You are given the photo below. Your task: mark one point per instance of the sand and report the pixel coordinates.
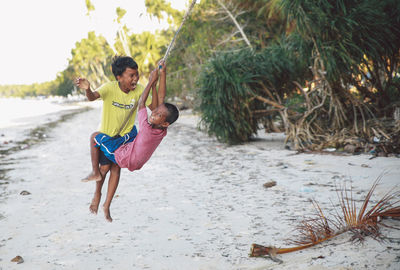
(197, 204)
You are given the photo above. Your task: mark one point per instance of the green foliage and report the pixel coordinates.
(349, 33)
(209, 31)
(281, 63)
(225, 96)
(120, 14)
(357, 41)
(89, 7)
(91, 58)
(197, 41)
(32, 90)
(230, 82)
(64, 82)
(296, 103)
(161, 9)
(147, 49)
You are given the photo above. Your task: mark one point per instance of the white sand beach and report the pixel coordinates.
(197, 204)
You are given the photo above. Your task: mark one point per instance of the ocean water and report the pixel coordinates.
(23, 122)
(19, 112)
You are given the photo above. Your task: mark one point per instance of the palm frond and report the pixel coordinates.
(361, 222)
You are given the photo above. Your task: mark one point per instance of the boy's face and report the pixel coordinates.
(158, 117)
(129, 79)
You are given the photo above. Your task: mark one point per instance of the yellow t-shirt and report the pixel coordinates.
(116, 107)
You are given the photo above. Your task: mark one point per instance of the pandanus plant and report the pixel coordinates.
(361, 222)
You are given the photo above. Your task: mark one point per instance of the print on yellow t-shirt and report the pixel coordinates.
(116, 107)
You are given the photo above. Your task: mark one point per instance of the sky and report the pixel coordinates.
(37, 36)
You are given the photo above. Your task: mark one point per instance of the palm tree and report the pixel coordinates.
(91, 56)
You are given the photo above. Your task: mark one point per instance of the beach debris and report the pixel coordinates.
(362, 165)
(361, 222)
(319, 257)
(267, 252)
(309, 162)
(24, 192)
(18, 259)
(269, 184)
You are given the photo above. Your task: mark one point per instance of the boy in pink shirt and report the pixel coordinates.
(152, 130)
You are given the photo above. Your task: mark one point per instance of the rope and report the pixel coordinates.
(164, 58)
(179, 29)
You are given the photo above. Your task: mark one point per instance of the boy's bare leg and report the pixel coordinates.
(94, 206)
(112, 187)
(94, 155)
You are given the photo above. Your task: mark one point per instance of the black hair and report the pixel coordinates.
(173, 113)
(121, 63)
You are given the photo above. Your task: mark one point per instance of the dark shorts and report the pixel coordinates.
(103, 160)
(109, 144)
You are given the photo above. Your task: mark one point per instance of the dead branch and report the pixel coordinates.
(236, 23)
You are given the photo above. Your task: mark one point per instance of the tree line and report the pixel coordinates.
(211, 28)
(322, 71)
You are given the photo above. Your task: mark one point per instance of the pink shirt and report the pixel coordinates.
(135, 154)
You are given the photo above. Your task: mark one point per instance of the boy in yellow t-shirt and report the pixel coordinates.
(119, 98)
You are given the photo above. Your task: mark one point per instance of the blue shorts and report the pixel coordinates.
(109, 144)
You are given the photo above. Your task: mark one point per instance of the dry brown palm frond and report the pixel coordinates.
(360, 222)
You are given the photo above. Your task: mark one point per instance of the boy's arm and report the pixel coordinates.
(162, 88)
(154, 97)
(85, 85)
(152, 80)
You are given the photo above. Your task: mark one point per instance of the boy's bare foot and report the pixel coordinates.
(92, 177)
(94, 206)
(107, 213)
